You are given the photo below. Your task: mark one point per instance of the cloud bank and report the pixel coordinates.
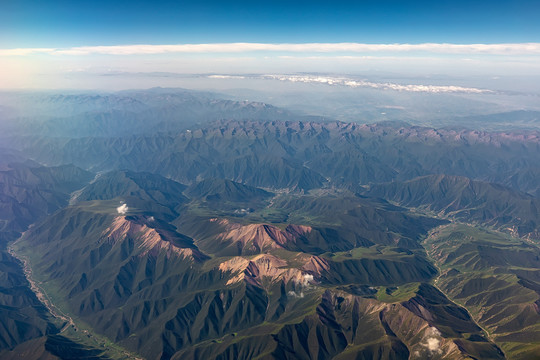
(343, 81)
(146, 49)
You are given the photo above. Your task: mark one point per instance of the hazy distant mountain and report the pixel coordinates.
(524, 119)
(125, 113)
(304, 155)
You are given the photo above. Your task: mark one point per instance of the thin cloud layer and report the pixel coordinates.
(440, 48)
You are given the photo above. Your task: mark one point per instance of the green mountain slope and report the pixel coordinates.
(467, 200)
(225, 190)
(497, 278)
(146, 192)
(29, 192)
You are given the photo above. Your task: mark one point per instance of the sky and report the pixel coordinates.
(44, 43)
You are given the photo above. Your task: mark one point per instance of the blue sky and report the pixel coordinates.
(44, 43)
(61, 23)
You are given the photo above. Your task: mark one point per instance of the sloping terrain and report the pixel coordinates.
(144, 186)
(53, 347)
(228, 196)
(151, 194)
(221, 190)
(28, 330)
(497, 279)
(467, 200)
(23, 316)
(29, 192)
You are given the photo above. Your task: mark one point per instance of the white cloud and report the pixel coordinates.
(226, 77)
(343, 81)
(307, 279)
(303, 284)
(433, 345)
(144, 49)
(297, 295)
(122, 209)
(432, 342)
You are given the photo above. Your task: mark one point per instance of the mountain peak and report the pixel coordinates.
(260, 237)
(151, 240)
(260, 267)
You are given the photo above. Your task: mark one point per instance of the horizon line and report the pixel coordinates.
(529, 48)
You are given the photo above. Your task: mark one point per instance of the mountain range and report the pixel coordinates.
(259, 234)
